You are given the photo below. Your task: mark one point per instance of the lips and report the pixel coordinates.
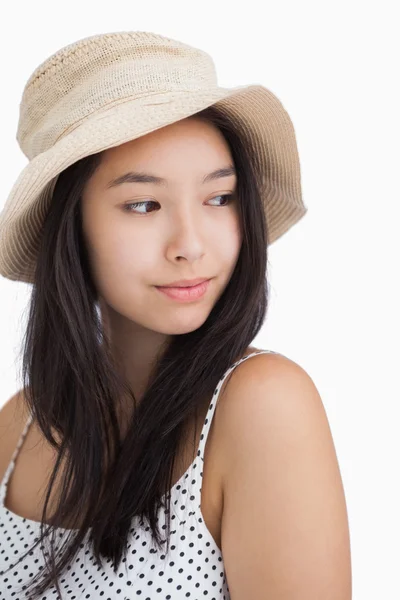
(185, 283)
(185, 294)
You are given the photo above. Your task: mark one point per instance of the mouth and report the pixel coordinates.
(185, 283)
(186, 294)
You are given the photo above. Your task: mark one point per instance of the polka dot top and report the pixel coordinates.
(193, 568)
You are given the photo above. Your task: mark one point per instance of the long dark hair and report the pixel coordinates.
(72, 383)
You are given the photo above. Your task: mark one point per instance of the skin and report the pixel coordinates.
(282, 487)
(186, 230)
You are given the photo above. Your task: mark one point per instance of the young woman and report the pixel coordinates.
(151, 450)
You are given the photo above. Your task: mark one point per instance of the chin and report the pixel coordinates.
(181, 325)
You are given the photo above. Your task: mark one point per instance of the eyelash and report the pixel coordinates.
(137, 204)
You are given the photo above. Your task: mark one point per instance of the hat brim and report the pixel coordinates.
(256, 112)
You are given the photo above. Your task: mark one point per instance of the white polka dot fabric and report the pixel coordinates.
(193, 569)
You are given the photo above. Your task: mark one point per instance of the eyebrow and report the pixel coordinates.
(140, 177)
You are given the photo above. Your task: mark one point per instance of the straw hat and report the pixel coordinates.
(107, 89)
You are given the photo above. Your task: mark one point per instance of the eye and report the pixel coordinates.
(227, 196)
(127, 207)
(131, 206)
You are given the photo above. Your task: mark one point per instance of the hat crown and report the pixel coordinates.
(81, 79)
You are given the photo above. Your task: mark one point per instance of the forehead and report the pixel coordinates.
(188, 148)
(189, 135)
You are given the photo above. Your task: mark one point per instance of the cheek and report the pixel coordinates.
(126, 255)
(229, 241)
(115, 251)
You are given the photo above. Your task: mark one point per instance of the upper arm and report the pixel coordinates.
(284, 527)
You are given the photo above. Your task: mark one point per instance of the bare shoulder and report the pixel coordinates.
(272, 381)
(13, 415)
(282, 488)
(13, 412)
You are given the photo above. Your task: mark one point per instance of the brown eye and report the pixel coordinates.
(228, 198)
(129, 207)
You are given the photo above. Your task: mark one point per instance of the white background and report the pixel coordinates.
(334, 276)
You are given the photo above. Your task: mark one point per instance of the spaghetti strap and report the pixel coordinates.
(209, 417)
(11, 465)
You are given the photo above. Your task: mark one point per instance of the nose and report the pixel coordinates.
(186, 239)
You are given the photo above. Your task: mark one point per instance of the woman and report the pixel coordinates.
(149, 455)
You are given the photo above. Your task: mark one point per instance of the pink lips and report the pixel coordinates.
(186, 294)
